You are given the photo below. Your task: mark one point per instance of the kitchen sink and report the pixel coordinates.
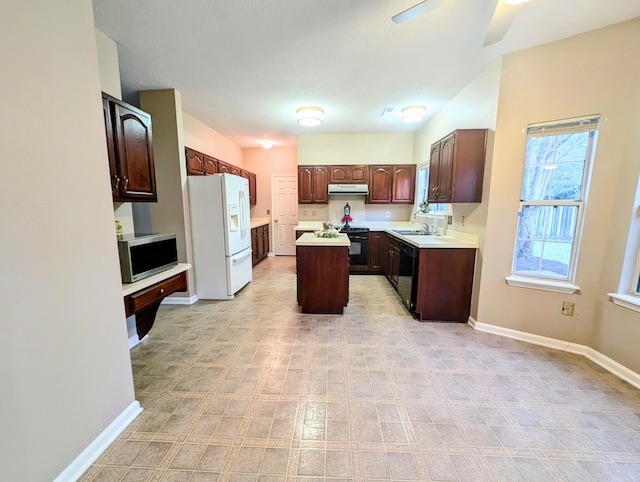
(408, 232)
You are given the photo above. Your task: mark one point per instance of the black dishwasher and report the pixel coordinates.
(407, 271)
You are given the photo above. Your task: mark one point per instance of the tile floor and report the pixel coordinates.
(253, 390)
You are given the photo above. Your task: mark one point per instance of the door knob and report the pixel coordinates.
(275, 220)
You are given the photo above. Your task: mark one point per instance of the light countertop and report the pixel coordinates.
(310, 239)
(452, 239)
(256, 222)
(130, 288)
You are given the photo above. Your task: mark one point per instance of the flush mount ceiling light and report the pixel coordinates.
(515, 2)
(413, 113)
(310, 116)
(267, 144)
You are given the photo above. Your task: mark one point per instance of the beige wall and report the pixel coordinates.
(355, 149)
(171, 213)
(64, 363)
(264, 163)
(594, 73)
(203, 138)
(475, 107)
(108, 64)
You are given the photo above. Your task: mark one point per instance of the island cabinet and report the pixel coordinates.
(313, 182)
(456, 167)
(322, 267)
(130, 149)
(444, 283)
(348, 174)
(393, 184)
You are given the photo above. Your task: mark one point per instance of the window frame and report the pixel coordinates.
(590, 124)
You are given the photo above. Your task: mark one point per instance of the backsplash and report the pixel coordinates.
(360, 212)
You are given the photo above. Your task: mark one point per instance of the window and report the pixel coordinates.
(628, 294)
(422, 192)
(554, 187)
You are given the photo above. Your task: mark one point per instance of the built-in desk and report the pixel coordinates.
(323, 273)
(142, 298)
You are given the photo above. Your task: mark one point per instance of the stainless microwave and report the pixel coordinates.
(142, 255)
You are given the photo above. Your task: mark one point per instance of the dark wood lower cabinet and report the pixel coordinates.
(145, 303)
(445, 281)
(260, 243)
(322, 278)
(376, 246)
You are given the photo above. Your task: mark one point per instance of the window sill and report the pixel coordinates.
(542, 284)
(626, 301)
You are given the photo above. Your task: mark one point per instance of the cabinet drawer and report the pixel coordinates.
(154, 293)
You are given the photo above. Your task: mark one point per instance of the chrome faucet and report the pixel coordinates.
(434, 226)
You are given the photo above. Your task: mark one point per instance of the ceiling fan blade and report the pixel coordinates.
(417, 10)
(503, 16)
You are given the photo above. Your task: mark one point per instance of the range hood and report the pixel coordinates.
(362, 189)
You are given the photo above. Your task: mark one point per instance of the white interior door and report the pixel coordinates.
(284, 200)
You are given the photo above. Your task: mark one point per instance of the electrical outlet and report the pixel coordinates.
(304, 213)
(314, 213)
(567, 308)
(387, 214)
(268, 211)
(449, 219)
(118, 226)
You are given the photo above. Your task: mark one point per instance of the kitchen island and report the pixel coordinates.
(322, 273)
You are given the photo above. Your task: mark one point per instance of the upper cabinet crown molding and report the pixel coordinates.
(456, 167)
(130, 149)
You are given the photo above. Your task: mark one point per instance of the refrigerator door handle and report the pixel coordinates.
(243, 226)
(238, 260)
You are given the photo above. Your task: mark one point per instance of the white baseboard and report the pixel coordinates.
(595, 356)
(89, 455)
(179, 300)
(135, 340)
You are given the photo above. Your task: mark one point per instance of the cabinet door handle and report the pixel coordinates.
(126, 182)
(117, 182)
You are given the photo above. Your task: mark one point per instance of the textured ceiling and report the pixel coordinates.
(243, 67)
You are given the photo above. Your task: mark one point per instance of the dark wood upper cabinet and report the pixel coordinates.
(199, 164)
(195, 162)
(210, 165)
(313, 182)
(223, 167)
(456, 167)
(253, 188)
(130, 148)
(111, 149)
(348, 174)
(380, 185)
(338, 174)
(403, 184)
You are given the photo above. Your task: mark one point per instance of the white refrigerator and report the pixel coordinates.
(220, 235)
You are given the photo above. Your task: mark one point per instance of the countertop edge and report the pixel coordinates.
(310, 239)
(130, 288)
